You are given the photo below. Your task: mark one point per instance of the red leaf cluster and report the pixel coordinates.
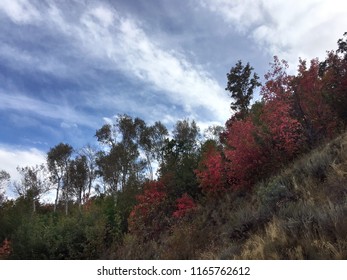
(318, 118)
(184, 204)
(284, 133)
(144, 215)
(5, 249)
(211, 172)
(244, 155)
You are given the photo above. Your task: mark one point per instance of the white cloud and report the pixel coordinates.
(12, 157)
(20, 11)
(236, 11)
(119, 43)
(127, 47)
(20, 60)
(68, 125)
(103, 15)
(64, 112)
(100, 36)
(290, 30)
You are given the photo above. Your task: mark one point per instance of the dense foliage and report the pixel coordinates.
(243, 185)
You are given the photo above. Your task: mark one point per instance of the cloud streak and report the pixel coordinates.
(23, 103)
(19, 11)
(307, 29)
(100, 36)
(123, 44)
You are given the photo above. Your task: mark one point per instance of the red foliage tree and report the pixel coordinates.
(210, 173)
(285, 136)
(184, 205)
(277, 84)
(317, 117)
(5, 249)
(147, 218)
(254, 149)
(244, 155)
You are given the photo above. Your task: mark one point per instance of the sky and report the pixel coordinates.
(67, 67)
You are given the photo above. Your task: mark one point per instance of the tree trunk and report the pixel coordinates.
(56, 196)
(149, 166)
(66, 203)
(34, 205)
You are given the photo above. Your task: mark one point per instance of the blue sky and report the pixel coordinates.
(67, 67)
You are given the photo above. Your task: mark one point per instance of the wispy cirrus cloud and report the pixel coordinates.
(305, 29)
(124, 45)
(100, 37)
(64, 113)
(20, 11)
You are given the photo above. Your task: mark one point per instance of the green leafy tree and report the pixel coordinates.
(186, 134)
(181, 159)
(213, 133)
(106, 135)
(152, 140)
(78, 174)
(241, 85)
(90, 154)
(58, 159)
(342, 46)
(116, 164)
(130, 130)
(109, 169)
(34, 183)
(4, 180)
(333, 72)
(131, 147)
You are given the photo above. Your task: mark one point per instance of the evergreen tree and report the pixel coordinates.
(241, 84)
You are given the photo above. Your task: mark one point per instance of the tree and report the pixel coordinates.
(211, 170)
(58, 163)
(109, 168)
(148, 218)
(241, 85)
(90, 154)
(122, 161)
(342, 46)
(214, 132)
(34, 183)
(132, 147)
(78, 174)
(333, 72)
(282, 133)
(184, 205)
(311, 109)
(186, 135)
(278, 82)
(152, 140)
(158, 136)
(4, 180)
(180, 160)
(106, 135)
(245, 159)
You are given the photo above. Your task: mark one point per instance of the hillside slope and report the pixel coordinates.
(298, 214)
